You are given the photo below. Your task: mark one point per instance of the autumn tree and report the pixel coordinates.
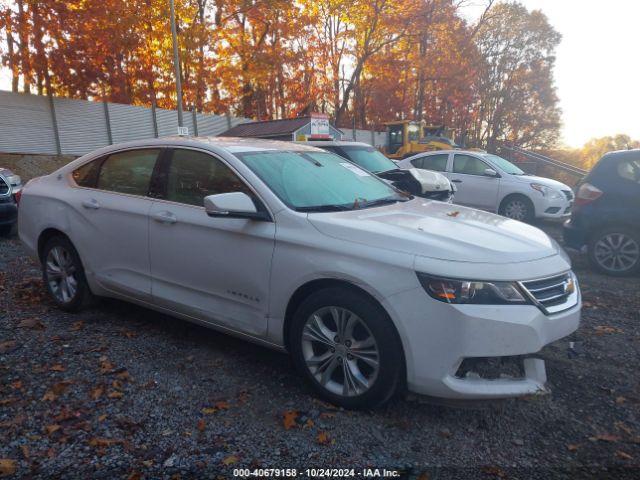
(517, 99)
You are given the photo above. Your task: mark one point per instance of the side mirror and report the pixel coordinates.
(490, 172)
(233, 205)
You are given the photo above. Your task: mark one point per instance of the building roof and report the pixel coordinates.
(268, 128)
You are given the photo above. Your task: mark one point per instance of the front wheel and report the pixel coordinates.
(63, 275)
(347, 348)
(518, 207)
(615, 251)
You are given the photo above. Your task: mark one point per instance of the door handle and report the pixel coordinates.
(165, 217)
(91, 204)
(456, 181)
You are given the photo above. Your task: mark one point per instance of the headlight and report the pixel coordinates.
(546, 191)
(472, 292)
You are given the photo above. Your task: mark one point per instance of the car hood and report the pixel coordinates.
(439, 230)
(543, 181)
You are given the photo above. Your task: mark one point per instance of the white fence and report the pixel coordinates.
(34, 124)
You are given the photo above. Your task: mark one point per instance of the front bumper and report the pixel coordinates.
(438, 337)
(8, 212)
(559, 208)
(573, 236)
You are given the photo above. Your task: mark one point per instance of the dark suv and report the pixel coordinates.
(606, 214)
(10, 188)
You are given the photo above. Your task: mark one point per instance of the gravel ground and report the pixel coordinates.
(118, 391)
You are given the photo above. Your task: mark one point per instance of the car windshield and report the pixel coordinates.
(369, 158)
(505, 165)
(314, 181)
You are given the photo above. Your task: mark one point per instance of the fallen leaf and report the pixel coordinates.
(147, 463)
(623, 455)
(620, 400)
(56, 390)
(289, 419)
(106, 366)
(52, 428)
(445, 433)
(222, 405)
(124, 375)
(103, 442)
(117, 384)
(209, 410)
(102, 417)
(58, 367)
(134, 476)
(7, 467)
(623, 427)
(495, 471)
(115, 394)
(605, 437)
(7, 401)
(201, 425)
(130, 334)
(602, 329)
(17, 385)
(97, 392)
(572, 447)
(77, 326)
(8, 346)
(453, 214)
(309, 424)
(32, 323)
(25, 451)
(323, 438)
(230, 460)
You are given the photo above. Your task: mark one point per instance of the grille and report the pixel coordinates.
(568, 194)
(553, 294)
(4, 186)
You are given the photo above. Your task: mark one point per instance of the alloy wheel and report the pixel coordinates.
(617, 252)
(340, 351)
(61, 274)
(516, 210)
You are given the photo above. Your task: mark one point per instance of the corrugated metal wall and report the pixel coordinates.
(27, 124)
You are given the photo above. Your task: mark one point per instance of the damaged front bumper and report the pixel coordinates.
(440, 346)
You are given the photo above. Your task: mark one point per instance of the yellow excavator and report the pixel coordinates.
(407, 137)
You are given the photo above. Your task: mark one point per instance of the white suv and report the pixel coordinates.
(292, 247)
(492, 183)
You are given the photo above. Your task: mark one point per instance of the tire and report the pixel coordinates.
(371, 385)
(5, 230)
(63, 275)
(615, 251)
(518, 207)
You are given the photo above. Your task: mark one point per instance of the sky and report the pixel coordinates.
(597, 68)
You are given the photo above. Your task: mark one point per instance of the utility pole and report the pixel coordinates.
(176, 62)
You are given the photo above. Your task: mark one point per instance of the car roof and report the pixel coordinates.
(620, 154)
(333, 143)
(229, 144)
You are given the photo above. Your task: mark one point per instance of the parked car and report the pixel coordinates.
(285, 245)
(421, 183)
(606, 217)
(10, 188)
(490, 182)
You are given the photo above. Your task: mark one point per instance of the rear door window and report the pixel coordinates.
(437, 163)
(128, 172)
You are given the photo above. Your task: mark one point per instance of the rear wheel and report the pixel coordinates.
(64, 276)
(518, 207)
(615, 251)
(347, 348)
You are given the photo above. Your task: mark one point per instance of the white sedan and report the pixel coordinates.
(490, 182)
(291, 247)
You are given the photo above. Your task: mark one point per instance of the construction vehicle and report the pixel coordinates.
(407, 137)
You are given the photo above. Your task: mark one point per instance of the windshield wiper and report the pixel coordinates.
(381, 201)
(323, 208)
